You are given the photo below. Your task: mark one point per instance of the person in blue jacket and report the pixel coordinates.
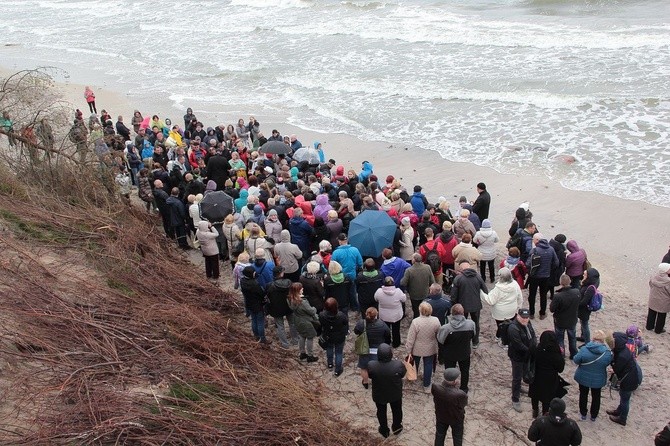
(366, 171)
(351, 260)
(419, 201)
(591, 374)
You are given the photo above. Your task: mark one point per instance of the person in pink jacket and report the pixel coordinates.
(90, 99)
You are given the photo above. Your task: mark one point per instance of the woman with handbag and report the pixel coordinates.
(422, 341)
(376, 332)
(304, 318)
(591, 374)
(335, 327)
(549, 363)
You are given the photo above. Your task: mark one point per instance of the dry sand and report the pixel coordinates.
(624, 239)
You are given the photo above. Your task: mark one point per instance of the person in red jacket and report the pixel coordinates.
(516, 265)
(433, 244)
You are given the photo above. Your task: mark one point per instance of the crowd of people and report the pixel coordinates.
(287, 244)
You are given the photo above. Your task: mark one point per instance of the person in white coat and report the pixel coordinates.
(207, 235)
(391, 300)
(486, 239)
(406, 237)
(505, 299)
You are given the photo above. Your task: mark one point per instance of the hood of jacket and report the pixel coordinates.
(620, 340)
(316, 144)
(322, 200)
(520, 214)
(282, 283)
(337, 277)
(211, 186)
(457, 321)
(596, 348)
(258, 210)
(572, 246)
(285, 236)
(244, 194)
(446, 236)
(486, 232)
(339, 171)
(542, 244)
(469, 272)
(507, 287)
(511, 262)
(557, 420)
(306, 208)
(388, 289)
(203, 226)
(384, 353)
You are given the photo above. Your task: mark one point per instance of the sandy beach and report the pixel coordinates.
(625, 240)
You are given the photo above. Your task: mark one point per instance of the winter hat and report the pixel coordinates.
(560, 238)
(664, 268)
(632, 331)
(268, 169)
(272, 212)
(249, 272)
(486, 223)
(557, 408)
(405, 221)
(525, 205)
(451, 374)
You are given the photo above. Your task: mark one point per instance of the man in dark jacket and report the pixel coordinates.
(367, 282)
(450, 405)
(161, 202)
(386, 374)
(218, 169)
(177, 217)
(522, 343)
(441, 304)
(254, 298)
(627, 371)
(278, 306)
(417, 279)
(559, 248)
(543, 260)
(555, 428)
(482, 203)
(454, 343)
(466, 291)
(301, 232)
(565, 307)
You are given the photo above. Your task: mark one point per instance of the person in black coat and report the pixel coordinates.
(178, 217)
(335, 326)
(387, 374)
(590, 284)
(378, 333)
(555, 428)
(627, 371)
(559, 248)
(521, 345)
(218, 169)
(663, 437)
(368, 282)
(549, 363)
(450, 402)
(254, 299)
(482, 203)
(122, 130)
(565, 308)
(278, 308)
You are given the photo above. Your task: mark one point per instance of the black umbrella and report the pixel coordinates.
(275, 147)
(215, 206)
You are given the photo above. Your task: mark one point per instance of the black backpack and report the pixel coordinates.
(503, 331)
(433, 258)
(516, 241)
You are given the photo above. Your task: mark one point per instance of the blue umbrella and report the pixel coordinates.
(371, 232)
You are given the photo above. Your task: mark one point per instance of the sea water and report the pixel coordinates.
(516, 85)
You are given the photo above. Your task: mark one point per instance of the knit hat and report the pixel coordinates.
(272, 212)
(451, 374)
(405, 221)
(560, 238)
(268, 169)
(664, 268)
(486, 223)
(557, 408)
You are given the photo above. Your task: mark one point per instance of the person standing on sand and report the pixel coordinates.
(386, 374)
(482, 203)
(90, 99)
(543, 261)
(555, 428)
(590, 284)
(565, 307)
(659, 299)
(454, 343)
(450, 404)
(521, 344)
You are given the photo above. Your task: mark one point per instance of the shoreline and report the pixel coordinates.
(607, 227)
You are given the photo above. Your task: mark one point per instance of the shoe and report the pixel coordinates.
(582, 417)
(385, 432)
(426, 389)
(543, 317)
(303, 356)
(265, 341)
(649, 348)
(618, 420)
(614, 412)
(516, 405)
(397, 430)
(475, 346)
(284, 346)
(593, 418)
(579, 338)
(366, 385)
(658, 332)
(330, 366)
(337, 373)
(532, 316)
(312, 359)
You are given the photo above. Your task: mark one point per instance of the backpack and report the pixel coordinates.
(596, 302)
(433, 258)
(503, 331)
(516, 241)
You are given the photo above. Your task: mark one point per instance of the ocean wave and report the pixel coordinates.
(273, 3)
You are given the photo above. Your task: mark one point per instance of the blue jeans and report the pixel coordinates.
(572, 342)
(586, 331)
(135, 171)
(624, 403)
(427, 368)
(335, 350)
(258, 325)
